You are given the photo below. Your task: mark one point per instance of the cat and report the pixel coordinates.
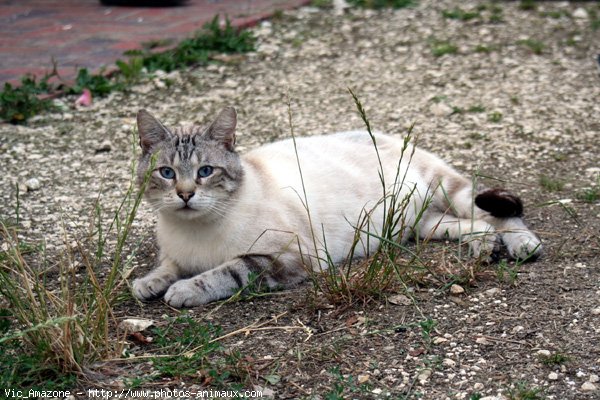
(226, 218)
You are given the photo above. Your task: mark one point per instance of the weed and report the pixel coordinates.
(98, 84)
(589, 195)
(476, 109)
(553, 359)
(522, 391)
(322, 3)
(190, 347)
(495, 14)
(481, 48)
(528, 5)
(59, 333)
(379, 4)
(551, 184)
(214, 38)
(427, 326)
(343, 385)
(495, 116)
(442, 47)
(475, 396)
(536, 46)
(17, 104)
(131, 70)
(507, 273)
(460, 14)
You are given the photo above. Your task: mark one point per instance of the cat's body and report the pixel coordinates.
(224, 218)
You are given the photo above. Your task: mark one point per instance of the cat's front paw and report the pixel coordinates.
(523, 245)
(483, 245)
(150, 287)
(186, 293)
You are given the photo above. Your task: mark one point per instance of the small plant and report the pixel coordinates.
(442, 47)
(507, 273)
(589, 195)
(495, 116)
(553, 359)
(322, 3)
(58, 333)
(17, 104)
(478, 108)
(536, 46)
(475, 396)
(460, 14)
(131, 70)
(379, 4)
(427, 328)
(527, 5)
(522, 391)
(551, 184)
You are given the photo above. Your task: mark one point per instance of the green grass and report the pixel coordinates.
(553, 359)
(551, 184)
(443, 47)
(55, 333)
(536, 46)
(522, 391)
(380, 4)
(18, 104)
(589, 195)
(460, 14)
(495, 116)
(528, 5)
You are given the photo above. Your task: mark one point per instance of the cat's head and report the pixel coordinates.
(197, 171)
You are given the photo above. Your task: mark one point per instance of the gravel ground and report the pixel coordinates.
(492, 107)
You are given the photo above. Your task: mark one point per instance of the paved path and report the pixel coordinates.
(84, 33)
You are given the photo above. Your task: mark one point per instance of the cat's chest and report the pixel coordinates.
(193, 249)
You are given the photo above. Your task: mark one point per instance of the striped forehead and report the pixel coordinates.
(185, 143)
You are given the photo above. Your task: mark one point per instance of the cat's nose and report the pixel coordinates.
(186, 196)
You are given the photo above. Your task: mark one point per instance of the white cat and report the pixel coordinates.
(224, 218)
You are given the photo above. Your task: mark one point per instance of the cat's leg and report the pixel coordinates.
(156, 283)
(270, 270)
(479, 234)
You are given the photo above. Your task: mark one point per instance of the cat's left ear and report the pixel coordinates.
(150, 130)
(223, 128)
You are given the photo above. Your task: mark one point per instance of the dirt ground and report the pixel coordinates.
(514, 102)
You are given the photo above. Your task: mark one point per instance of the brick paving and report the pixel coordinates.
(85, 33)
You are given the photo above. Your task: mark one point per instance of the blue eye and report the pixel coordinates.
(167, 173)
(205, 171)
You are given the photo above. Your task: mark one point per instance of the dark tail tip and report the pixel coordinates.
(499, 203)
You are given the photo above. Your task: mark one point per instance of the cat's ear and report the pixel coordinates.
(150, 130)
(223, 128)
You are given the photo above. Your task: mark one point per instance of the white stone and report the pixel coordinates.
(440, 110)
(596, 311)
(478, 386)
(588, 387)
(363, 379)
(456, 289)
(136, 324)
(33, 184)
(552, 376)
(424, 375)
(449, 363)
(594, 378)
(400, 300)
(543, 353)
(492, 292)
(580, 13)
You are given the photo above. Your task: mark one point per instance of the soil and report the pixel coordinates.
(492, 107)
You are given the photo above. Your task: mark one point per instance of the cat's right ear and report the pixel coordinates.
(150, 130)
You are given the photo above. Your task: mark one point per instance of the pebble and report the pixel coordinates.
(449, 363)
(363, 379)
(596, 311)
(104, 147)
(136, 324)
(588, 387)
(594, 378)
(440, 110)
(33, 184)
(424, 375)
(552, 376)
(400, 300)
(456, 289)
(580, 13)
(478, 386)
(492, 292)
(544, 353)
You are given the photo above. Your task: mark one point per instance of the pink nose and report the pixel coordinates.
(185, 196)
